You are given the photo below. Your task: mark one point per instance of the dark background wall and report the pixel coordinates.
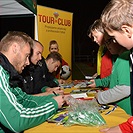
(85, 12)
(18, 23)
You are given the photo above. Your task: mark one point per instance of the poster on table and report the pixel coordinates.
(54, 24)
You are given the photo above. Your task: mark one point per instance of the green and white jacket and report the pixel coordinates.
(19, 111)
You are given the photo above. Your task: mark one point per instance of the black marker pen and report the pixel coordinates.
(54, 93)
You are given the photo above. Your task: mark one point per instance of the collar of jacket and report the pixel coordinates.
(15, 77)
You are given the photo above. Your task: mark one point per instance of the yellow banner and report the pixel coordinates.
(54, 24)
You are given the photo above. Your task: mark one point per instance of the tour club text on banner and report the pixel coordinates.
(54, 24)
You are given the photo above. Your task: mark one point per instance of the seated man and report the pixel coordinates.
(19, 111)
(38, 75)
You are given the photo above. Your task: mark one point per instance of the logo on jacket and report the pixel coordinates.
(44, 76)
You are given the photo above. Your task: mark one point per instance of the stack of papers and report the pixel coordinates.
(80, 95)
(84, 95)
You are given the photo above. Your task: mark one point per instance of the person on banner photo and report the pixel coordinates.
(38, 75)
(64, 71)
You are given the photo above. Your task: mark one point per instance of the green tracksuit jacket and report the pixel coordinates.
(19, 111)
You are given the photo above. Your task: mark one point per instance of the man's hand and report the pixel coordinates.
(92, 85)
(61, 81)
(57, 90)
(60, 100)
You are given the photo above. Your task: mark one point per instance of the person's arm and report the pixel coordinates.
(125, 127)
(115, 129)
(57, 90)
(26, 110)
(61, 81)
(104, 82)
(49, 82)
(94, 75)
(120, 77)
(114, 94)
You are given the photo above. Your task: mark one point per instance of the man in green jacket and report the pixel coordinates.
(19, 111)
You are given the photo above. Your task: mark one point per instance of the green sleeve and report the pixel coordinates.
(19, 111)
(56, 81)
(104, 82)
(44, 88)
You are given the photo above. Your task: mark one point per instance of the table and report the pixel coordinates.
(114, 118)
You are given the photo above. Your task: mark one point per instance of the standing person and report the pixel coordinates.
(119, 86)
(54, 47)
(19, 111)
(37, 75)
(117, 19)
(104, 58)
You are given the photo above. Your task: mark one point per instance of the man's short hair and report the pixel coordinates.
(55, 56)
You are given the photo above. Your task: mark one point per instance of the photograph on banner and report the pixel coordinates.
(55, 24)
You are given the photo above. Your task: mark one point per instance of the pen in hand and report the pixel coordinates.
(55, 93)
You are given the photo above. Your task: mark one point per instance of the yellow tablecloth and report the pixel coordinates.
(114, 118)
